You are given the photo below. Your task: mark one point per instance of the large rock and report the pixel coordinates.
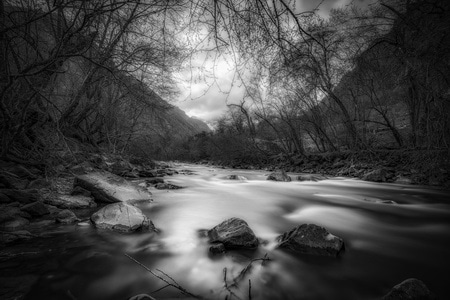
(311, 239)
(70, 201)
(410, 289)
(233, 233)
(279, 176)
(109, 188)
(121, 217)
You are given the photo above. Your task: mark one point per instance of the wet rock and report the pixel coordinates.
(310, 239)
(310, 177)
(235, 177)
(121, 217)
(22, 196)
(109, 188)
(66, 216)
(167, 186)
(410, 289)
(15, 224)
(233, 233)
(70, 201)
(217, 248)
(36, 209)
(279, 176)
(378, 175)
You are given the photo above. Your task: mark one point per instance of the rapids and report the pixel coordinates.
(392, 232)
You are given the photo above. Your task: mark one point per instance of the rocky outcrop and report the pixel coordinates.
(233, 233)
(121, 217)
(410, 289)
(70, 201)
(279, 176)
(110, 188)
(310, 239)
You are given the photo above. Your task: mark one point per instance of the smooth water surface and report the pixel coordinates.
(391, 233)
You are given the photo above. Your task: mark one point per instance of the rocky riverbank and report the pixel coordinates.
(431, 168)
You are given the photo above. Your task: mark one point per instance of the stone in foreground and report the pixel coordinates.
(311, 239)
(279, 176)
(410, 289)
(110, 188)
(233, 233)
(121, 217)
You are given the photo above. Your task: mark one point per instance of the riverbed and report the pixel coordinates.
(391, 232)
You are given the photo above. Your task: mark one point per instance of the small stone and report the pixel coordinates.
(410, 289)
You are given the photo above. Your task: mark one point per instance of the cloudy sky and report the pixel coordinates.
(211, 86)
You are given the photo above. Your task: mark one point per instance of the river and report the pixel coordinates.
(391, 232)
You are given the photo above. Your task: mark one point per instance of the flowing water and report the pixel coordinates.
(391, 233)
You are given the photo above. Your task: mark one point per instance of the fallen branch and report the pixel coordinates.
(173, 283)
(247, 268)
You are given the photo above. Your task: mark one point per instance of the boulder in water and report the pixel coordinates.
(233, 233)
(311, 239)
(410, 289)
(121, 217)
(110, 188)
(279, 176)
